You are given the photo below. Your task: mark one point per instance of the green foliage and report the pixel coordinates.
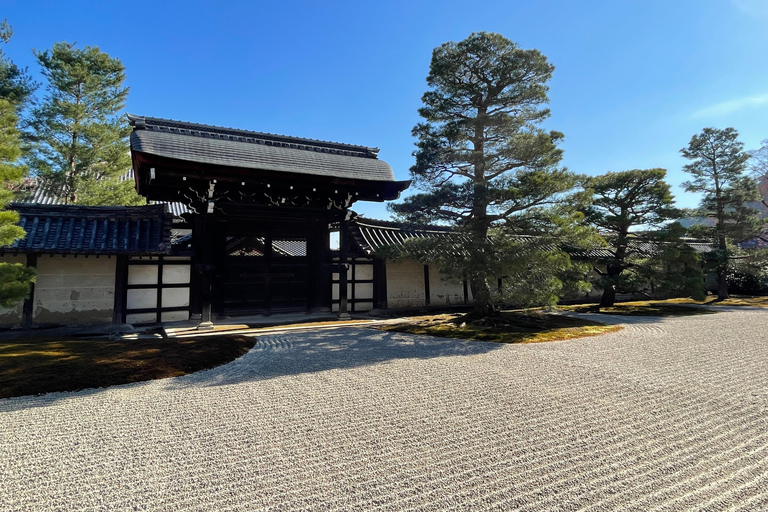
(675, 270)
(14, 283)
(627, 199)
(747, 270)
(10, 152)
(16, 86)
(744, 283)
(482, 161)
(109, 191)
(14, 278)
(624, 201)
(718, 169)
(76, 133)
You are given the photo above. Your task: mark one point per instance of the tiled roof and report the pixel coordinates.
(63, 229)
(255, 150)
(32, 192)
(372, 235)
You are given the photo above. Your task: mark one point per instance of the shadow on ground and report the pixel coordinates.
(284, 354)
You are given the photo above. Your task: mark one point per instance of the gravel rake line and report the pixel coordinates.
(722, 487)
(650, 467)
(566, 465)
(595, 423)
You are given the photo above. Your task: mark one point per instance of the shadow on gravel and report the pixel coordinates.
(615, 319)
(278, 355)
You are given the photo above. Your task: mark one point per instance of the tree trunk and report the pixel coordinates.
(609, 297)
(609, 293)
(722, 272)
(481, 294)
(722, 284)
(615, 268)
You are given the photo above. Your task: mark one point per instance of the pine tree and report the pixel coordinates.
(625, 201)
(482, 160)
(15, 89)
(16, 86)
(79, 139)
(718, 169)
(14, 277)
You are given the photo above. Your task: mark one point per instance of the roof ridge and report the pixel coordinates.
(189, 129)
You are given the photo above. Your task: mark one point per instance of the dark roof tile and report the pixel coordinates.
(255, 150)
(61, 229)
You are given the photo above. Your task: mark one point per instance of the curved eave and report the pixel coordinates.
(169, 168)
(249, 155)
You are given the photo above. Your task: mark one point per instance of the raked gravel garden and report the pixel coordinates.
(666, 414)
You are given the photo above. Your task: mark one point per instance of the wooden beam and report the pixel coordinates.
(343, 251)
(121, 292)
(379, 283)
(29, 303)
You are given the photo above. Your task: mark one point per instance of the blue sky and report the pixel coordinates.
(634, 79)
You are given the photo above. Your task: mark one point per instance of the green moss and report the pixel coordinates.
(639, 308)
(42, 365)
(507, 328)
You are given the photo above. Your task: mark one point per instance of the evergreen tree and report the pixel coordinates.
(16, 86)
(623, 202)
(79, 139)
(14, 277)
(718, 169)
(482, 161)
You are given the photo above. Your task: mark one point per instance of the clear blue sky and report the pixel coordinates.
(634, 79)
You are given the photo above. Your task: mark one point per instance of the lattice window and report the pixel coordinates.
(289, 247)
(245, 246)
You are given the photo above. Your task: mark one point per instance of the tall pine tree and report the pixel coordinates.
(718, 169)
(482, 160)
(624, 202)
(15, 89)
(79, 140)
(16, 85)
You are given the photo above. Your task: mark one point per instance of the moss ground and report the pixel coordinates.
(40, 365)
(509, 327)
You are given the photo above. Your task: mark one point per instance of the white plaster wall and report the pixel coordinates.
(141, 318)
(363, 272)
(405, 284)
(176, 274)
(73, 290)
(174, 297)
(363, 291)
(141, 298)
(443, 292)
(11, 317)
(142, 274)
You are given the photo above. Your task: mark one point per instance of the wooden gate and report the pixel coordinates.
(262, 273)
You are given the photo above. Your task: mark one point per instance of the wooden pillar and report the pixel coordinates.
(268, 253)
(466, 289)
(343, 253)
(313, 249)
(202, 242)
(321, 253)
(379, 283)
(29, 303)
(121, 283)
(426, 285)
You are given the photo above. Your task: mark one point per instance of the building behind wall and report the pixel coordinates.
(242, 227)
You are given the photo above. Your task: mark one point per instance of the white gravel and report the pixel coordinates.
(667, 414)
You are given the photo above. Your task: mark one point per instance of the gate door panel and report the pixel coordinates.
(262, 274)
